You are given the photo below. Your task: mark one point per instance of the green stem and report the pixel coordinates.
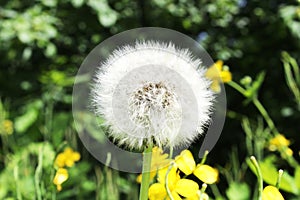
(257, 104)
(146, 173)
(265, 114)
(16, 178)
(280, 173)
(237, 87)
(259, 176)
(171, 152)
(215, 191)
(167, 184)
(38, 174)
(204, 157)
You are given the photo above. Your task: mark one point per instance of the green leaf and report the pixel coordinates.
(23, 122)
(50, 50)
(238, 191)
(60, 124)
(77, 3)
(297, 177)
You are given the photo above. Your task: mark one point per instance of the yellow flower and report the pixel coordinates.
(158, 160)
(288, 151)
(185, 162)
(184, 187)
(279, 142)
(67, 158)
(60, 177)
(217, 73)
(271, 193)
(206, 173)
(7, 127)
(199, 195)
(152, 175)
(157, 191)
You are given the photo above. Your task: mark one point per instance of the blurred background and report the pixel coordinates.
(44, 42)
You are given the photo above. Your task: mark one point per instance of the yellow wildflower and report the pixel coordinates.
(185, 162)
(206, 173)
(157, 191)
(184, 187)
(67, 158)
(218, 74)
(60, 177)
(288, 151)
(158, 160)
(279, 142)
(199, 195)
(271, 193)
(7, 127)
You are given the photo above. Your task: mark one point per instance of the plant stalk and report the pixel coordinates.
(146, 173)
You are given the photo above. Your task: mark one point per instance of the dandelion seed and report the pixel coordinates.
(150, 108)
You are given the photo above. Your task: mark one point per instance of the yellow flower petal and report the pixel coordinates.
(76, 156)
(159, 159)
(8, 127)
(185, 162)
(217, 74)
(186, 187)
(175, 196)
(58, 187)
(289, 151)
(69, 162)
(60, 160)
(213, 73)
(215, 86)
(139, 178)
(226, 76)
(173, 176)
(279, 141)
(67, 158)
(157, 191)
(271, 193)
(206, 173)
(60, 177)
(219, 65)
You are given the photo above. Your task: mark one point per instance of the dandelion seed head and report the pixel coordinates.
(152, 92)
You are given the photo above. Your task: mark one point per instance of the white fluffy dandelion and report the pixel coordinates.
(152, 93)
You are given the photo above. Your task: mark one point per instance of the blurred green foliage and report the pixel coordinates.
(43, 43)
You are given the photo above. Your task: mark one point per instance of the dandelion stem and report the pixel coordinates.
(146, 173)
(171, 152)
(259, 176)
